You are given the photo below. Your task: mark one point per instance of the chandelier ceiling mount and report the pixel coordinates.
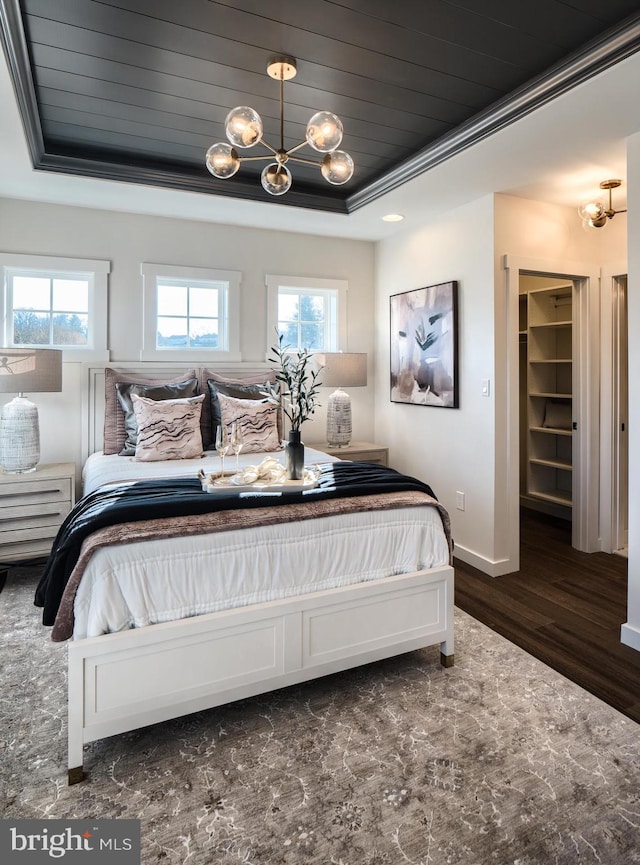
(244, 129)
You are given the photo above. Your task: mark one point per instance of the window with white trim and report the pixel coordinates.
(55, 303)
(308, 313)
(190, 312)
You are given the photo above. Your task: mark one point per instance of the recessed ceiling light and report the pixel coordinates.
(393, 217)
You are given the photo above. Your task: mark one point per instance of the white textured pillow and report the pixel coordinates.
(258, 420)
(168, 429)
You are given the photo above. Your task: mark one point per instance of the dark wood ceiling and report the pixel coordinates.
(137, 90)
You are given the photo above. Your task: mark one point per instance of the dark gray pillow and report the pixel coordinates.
(237, 391)
(177, 390)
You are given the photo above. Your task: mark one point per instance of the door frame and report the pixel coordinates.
(610, 482)
(586, 277)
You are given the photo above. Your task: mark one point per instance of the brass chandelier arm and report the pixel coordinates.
(255, 158)
(297, 147)
(609, 185)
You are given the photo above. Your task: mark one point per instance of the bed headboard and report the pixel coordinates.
(93, 391)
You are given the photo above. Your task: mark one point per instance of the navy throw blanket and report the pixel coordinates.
(173, 497)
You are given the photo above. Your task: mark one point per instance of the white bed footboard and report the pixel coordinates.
(124, 681)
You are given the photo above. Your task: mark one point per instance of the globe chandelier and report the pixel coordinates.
(244, 129)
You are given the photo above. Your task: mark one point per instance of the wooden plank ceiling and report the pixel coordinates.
(139, 89)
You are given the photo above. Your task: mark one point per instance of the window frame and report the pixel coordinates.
(336, 289)
(230, 305)
(95, 271)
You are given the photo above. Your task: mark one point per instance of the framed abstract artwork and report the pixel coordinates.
(424, 346)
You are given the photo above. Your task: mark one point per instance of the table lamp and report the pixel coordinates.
(25, 370)
(341, 369)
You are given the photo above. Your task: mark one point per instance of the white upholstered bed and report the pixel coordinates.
(155, 638)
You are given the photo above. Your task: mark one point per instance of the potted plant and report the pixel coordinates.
(295, 392)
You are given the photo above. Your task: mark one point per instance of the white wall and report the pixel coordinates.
(469, 449)
(631, 630)
(127, 240)
(451, 449)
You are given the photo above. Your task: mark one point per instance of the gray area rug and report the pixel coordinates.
(496, 760)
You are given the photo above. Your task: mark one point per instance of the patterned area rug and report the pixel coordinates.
(496, 760)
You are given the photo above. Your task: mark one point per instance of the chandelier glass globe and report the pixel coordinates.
(222, 160)
(591, 210)
(324, 132)
(337, 167)
(276, 179)
(243, 126)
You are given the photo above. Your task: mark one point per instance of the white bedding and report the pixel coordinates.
(100, 469)
(132, 585)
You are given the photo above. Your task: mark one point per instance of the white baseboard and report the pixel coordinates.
(493, 568)
(630, 636)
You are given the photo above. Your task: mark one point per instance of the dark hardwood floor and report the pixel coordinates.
(564, 607)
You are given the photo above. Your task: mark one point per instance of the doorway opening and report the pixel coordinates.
(546, 404)
(553, 394)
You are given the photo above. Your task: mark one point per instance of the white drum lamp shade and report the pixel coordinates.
(341, 369)
(25, 370)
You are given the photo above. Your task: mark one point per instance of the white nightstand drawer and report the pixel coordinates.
(32, 508)
(32, 517)
(23, 494)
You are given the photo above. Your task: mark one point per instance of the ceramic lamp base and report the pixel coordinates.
(339, 419)
(19, 436)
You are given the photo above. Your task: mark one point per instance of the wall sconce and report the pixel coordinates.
(596, 213)
(338, 369)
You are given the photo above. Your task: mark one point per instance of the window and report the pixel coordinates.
(55, 303)
(309, 313)
(190, 311)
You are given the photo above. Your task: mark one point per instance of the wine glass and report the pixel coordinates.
(222, 445)
(237, 441)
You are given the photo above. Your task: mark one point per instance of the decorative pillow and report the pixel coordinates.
(238, 390)
(258, 419)
(114, 431)
(125, 390)
(557, 415)
(168, 429)
(208, 425)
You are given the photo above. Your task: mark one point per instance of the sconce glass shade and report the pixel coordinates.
(276, 179)
(243, 126)
(222, 160)
(324, 131)
(593, 214)
(337, 167)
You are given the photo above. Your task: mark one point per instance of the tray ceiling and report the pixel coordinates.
(137, 90)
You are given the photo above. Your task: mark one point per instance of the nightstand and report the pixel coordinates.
(32, 507)
(364, 452)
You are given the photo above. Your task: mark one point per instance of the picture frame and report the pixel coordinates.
(424, 346)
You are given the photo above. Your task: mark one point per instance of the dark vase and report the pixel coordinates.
(294, 456)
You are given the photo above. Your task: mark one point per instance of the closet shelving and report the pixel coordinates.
(548, 334)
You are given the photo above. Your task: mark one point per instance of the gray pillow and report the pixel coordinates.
(177, 390)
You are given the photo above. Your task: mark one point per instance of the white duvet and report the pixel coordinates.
(132, 585)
